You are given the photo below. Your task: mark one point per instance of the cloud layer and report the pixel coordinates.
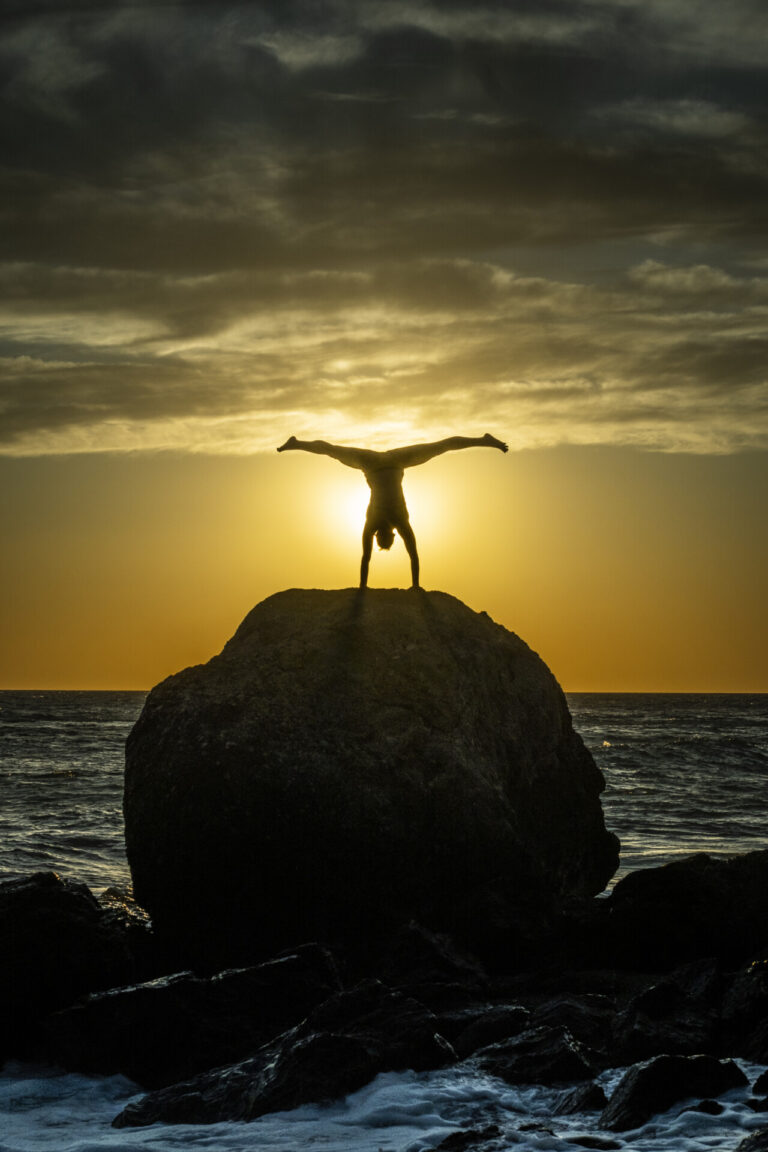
(223, 223)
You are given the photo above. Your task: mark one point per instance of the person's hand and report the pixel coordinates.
(492, 442)
(290, 443)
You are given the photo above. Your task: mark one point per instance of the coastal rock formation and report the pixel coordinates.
(58, 943)
(353, 761)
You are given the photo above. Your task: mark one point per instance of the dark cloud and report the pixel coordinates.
(217, 211)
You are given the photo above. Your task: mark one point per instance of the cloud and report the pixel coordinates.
(224, 220)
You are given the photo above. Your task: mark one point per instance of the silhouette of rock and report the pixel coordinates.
(58, 943)
(350, 762)
(700, 906)
(583, 1098)
(341, 1045)
(169, 1029)
(650, 1088)
(755, 1142)
(544, 1055)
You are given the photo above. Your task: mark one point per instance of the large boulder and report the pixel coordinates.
(351, 761)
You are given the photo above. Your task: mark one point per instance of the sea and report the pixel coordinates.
(684, 774)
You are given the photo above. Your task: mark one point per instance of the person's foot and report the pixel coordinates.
(290, 443)
(492, 442)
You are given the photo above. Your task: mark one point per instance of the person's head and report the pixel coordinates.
(385, 537)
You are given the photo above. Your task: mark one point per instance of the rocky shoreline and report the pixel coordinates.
(85, 985)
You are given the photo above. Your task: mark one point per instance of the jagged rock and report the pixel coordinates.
(57, 943)
(341, 1045)
(169, 1029)
(653, 1087)
(353, 761)
(755, 1142)
(667, 1019)
(589, 1018)
(489, 1026)
(582, 1098)
(745, 1013)
(429, 967)
(658, 918)
(538, 1056)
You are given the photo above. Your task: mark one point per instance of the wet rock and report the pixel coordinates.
(761, 1084)
(655, 1086)
(355, 762)
(57, 944)
(430, 967)
(745, 1013)
(588, 1017)
(469, 1138)
(538, 1056)
(166, 1030)
(708, 1107)
(665, 1019)
(755, 1142)
(341, 1045)
(758, 1103)
(489, 1027)
(582, 1098)
(658, 918)
(292, 1071)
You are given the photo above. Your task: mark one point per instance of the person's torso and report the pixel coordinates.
(386, 485)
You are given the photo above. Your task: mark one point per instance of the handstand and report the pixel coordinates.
(384, 473)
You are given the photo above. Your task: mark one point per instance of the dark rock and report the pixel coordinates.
(588, 1017)
(167, 1030)
(489, 1027)
(468, 1138)
(758, 1103)
(341, 1045)
(538, 1056)
(658, 918)
(429, 966)
(655, 1086)
(761, 1084)
(745, 1013)
(582, 1098)
(292, 1071)
(755, 1142)
(708, 1107)
(355, 762)
(665, 1019)
(56, 944)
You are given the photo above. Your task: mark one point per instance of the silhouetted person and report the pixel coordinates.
(384, 473)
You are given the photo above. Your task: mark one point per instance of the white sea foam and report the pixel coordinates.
(43, 1110)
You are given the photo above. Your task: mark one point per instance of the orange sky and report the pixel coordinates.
(221, 224)
(626, 570)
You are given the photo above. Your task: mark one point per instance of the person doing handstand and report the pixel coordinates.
(384, 473)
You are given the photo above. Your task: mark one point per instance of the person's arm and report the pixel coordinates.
(353, 457)
(421, 453)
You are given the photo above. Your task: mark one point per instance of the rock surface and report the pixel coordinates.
(650, 1088)
(700, 906)
(350, 762)
(56, 943)
(341, 1045)
(166, 1030)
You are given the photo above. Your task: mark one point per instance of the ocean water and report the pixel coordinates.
(684, 774)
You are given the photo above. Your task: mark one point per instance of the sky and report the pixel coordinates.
(379, 223)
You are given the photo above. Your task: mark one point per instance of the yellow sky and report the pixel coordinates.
(626, 570)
